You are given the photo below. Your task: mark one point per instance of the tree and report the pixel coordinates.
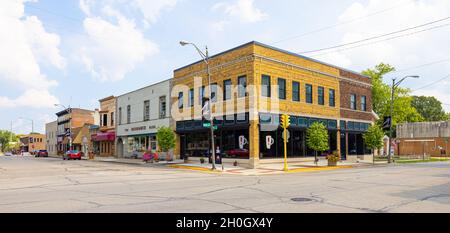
(166, 139)
(373, 139)
(381, 97)
(6, 137)
(429, 107)
(317, 138)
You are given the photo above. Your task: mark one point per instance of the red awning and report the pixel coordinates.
(109, 136)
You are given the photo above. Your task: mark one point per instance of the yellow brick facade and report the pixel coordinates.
(255, 60)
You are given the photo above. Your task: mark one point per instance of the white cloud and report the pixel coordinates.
(85, 6)
(32, 98)
(45, 45)
(114, 44)
(403, 52)
(244, 10)
(152, 10)
(113, 50)
(24, 45)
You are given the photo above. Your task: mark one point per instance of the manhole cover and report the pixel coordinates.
(302, 199)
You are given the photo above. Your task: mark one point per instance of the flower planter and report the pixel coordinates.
(332, 163)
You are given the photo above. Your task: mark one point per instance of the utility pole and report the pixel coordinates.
(211, 120)
(394, 86)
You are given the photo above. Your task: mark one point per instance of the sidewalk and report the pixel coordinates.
(134, 161)
(264, 169)
(271, 169)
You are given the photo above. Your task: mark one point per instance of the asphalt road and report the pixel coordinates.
(51, 185)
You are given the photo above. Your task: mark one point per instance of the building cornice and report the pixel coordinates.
(254, 56)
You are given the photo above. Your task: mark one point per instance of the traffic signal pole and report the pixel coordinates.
(285, 123)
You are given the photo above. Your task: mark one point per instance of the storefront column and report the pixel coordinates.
(176, 151)
(254, 144)
(346, 147)
(338, 145)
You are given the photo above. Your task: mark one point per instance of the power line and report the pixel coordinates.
(432, 84)
(379, 41)
(343, 23)
(57, 14)
(374, 37)
(423, 65)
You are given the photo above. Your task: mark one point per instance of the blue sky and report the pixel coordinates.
(78, 51)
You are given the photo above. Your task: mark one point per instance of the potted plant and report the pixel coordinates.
(166, 141)
(202, 160)
(317, 139)
(235, 163)
(333, 159)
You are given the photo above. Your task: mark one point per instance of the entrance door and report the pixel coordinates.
(343, 147)
(182, 146)
(120, 148)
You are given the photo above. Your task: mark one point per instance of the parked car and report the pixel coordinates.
(41, 153)
(239, 153)
(8, 154)
(73, 154)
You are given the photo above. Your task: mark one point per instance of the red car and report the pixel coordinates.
(73, 154)
(41, 153)
(244, 153)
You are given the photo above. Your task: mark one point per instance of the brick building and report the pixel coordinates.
(51, 131)
(104, 139)
(254, 84)
(423, 139)
(32, 142)
(69, 122)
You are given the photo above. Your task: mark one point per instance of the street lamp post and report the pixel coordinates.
(205, 57)
(394, 86)
(69, 110)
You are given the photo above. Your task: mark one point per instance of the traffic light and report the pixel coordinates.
(285, 121)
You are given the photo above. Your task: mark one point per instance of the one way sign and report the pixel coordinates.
(387, 122)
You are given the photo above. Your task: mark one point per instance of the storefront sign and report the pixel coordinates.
(242, 141)
(269, 142)
(139, 128)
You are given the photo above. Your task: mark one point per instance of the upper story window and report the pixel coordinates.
(309, 93)
(227, 89)
(180, 100)
(191, 98)
(162, 107)
(112, 118)
(120, 116)
(282, 88)
(147, 110)
(214, 92)
(201, 94)
(363, 103)
(265, 86)
(332, 98)
(128, 114)
(242, 86)
(353, 101)
(104, 120)
(321, 95)
(295, 91)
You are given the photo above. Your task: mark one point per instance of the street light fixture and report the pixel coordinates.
(395, 84)
(205, 57)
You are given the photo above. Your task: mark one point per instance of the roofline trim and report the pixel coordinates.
(276, 49)
(142, 88)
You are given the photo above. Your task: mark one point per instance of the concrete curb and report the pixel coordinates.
(315, 169)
